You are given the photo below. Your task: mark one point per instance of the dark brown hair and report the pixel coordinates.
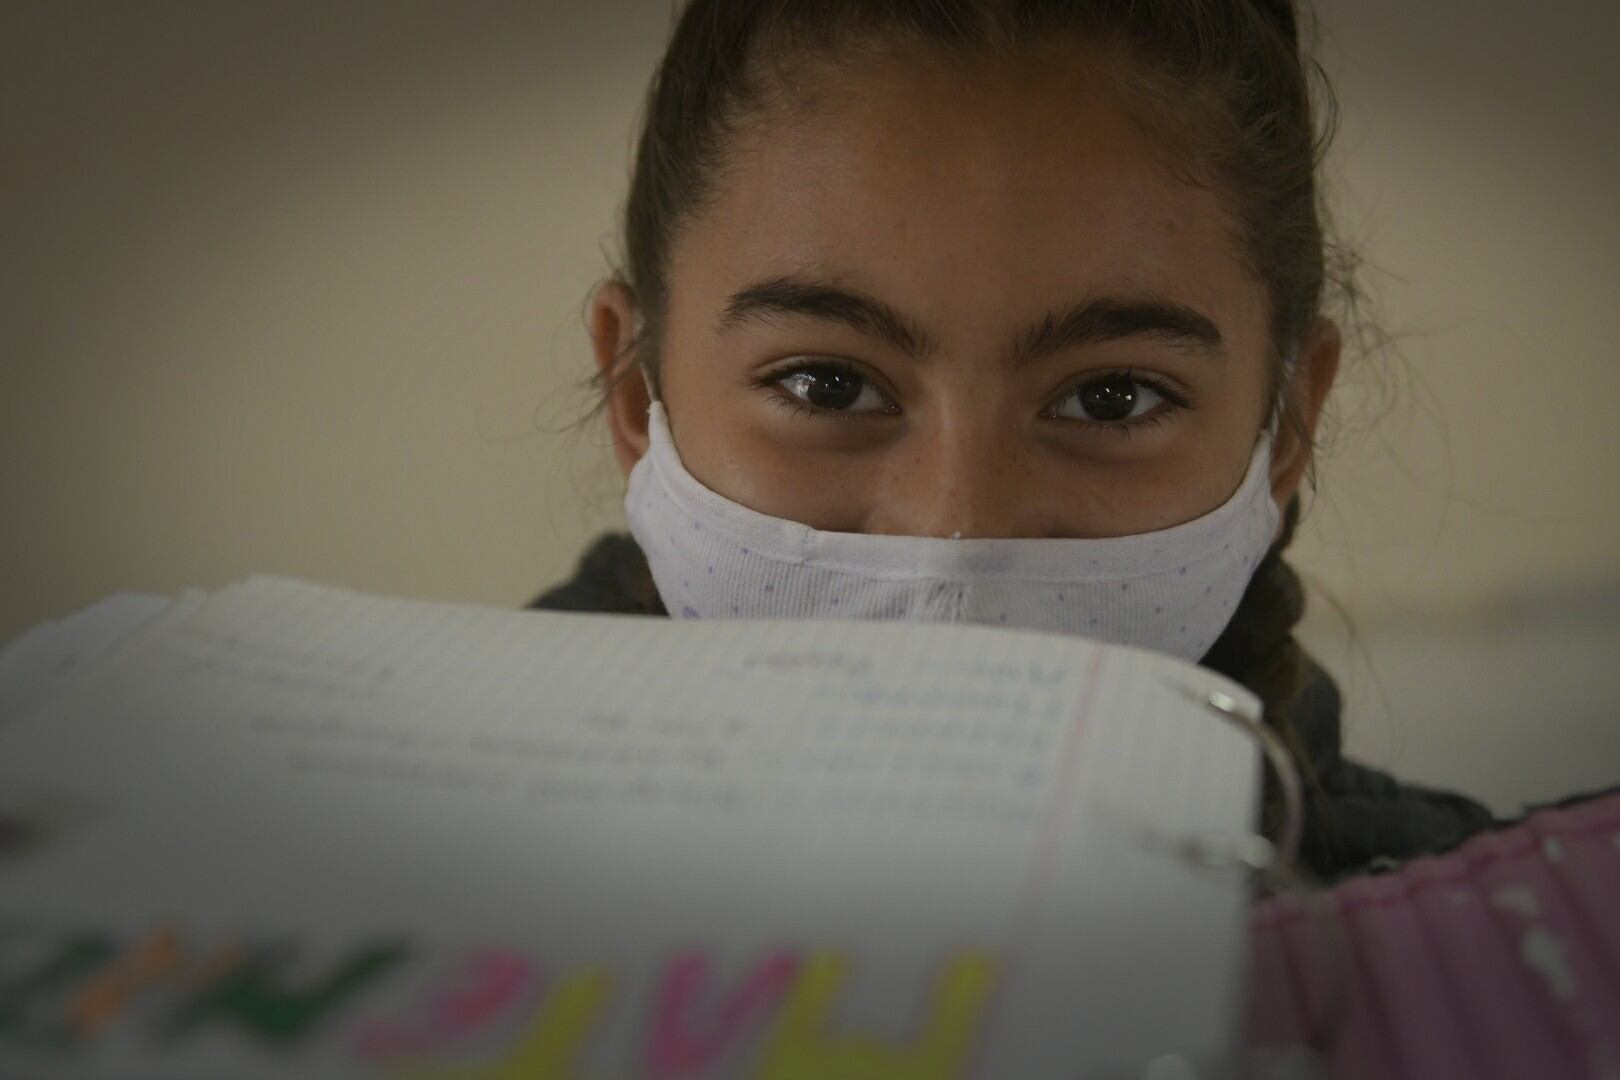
(1238, 103)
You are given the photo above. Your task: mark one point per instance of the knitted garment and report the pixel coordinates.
(1357, 818)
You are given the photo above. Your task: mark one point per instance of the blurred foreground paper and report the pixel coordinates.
(283, 830)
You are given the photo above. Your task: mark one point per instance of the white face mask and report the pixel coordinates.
(1173, 590)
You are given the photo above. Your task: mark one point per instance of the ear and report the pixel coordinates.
(1307, 389)
(612, 323)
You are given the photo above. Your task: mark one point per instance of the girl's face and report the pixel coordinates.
(938, 301)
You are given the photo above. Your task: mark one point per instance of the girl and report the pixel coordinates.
(1006, 311)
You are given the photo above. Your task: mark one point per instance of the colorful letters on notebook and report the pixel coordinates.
(381, 1008)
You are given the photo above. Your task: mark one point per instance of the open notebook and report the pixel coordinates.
(285, 830)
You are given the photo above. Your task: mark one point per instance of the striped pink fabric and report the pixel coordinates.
(1498, 959)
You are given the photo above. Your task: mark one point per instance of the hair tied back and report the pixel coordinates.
(1280, 13)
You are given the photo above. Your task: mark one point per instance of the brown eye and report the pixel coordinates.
(833, 389)
(1110, 399)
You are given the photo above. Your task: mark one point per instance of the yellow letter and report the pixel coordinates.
(802, 1048)
(553, 1043)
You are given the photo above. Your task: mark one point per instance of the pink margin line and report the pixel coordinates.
(1036, 882)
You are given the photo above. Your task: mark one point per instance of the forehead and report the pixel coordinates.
(957, 190)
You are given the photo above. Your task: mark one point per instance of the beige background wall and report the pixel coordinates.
(297, 288)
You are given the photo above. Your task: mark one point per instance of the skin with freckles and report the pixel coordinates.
(964, 298)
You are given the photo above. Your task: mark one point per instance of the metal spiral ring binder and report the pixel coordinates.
(1273, 865)
(1275, 862)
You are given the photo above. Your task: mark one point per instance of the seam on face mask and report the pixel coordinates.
(1138, 566)
(735, 521)
(1076, 577)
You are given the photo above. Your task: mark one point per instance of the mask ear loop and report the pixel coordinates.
(1274, 869)
(638, 341)
(652, 383)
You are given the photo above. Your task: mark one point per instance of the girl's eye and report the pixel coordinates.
(833, 388)
(1115, 398)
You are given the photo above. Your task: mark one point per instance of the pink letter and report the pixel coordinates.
(488, 983)
(679, 1050)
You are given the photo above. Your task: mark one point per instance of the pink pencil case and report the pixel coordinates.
(1500, 958)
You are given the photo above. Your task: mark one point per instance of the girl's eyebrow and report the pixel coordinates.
(793, 295)
(1112, 318)
(1086, 322)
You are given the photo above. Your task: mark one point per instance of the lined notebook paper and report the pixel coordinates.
(283, 830)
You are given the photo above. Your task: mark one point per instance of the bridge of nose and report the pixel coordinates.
(966, 475)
